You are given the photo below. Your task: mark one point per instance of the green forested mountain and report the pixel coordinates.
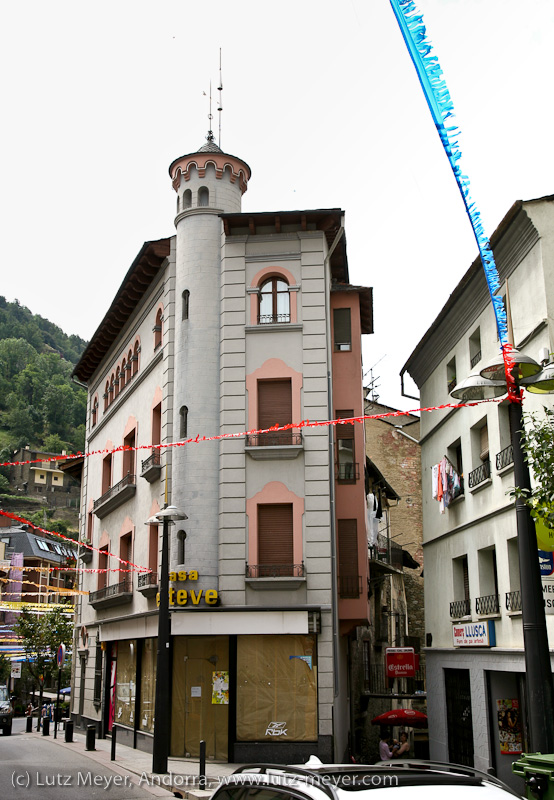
(40, 405)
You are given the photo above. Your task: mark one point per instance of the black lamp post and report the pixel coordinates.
(160, 750)
(491, 382)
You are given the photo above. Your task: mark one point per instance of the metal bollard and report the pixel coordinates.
(29, 728)
(69, 730)
(202, 774)
(91, 737)
(46, 727)
(114, 730)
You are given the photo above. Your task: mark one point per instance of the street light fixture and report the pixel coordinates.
(160, 749)
(539, 689)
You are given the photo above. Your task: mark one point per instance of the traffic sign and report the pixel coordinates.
(61, 655)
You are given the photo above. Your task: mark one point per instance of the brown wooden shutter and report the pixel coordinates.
(465, 572)
(349, 584)
(275, 536)
(275, 408)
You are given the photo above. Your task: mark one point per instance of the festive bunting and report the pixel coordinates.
(441, 107)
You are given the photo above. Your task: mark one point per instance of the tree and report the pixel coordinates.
(42, 635)
(538, 446)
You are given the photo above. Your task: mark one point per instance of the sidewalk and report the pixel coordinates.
(181, 779)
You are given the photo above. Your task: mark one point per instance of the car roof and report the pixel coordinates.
(320, 781)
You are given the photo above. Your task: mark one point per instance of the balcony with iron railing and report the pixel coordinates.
(274, 445)
(386, 552)
(275, 576)
(347, 473)
(505, 458)
(479, 475)
(147, 583)
(350, 586)
(115, 496)
(273, 319)
(513, 601)
(460, 608)
(488, 605)
(151, 467)
(116, 594)
(475, 359)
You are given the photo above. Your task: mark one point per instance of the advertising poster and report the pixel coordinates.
(509, 727)
(220, 688)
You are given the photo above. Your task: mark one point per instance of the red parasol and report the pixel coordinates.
(402, 716)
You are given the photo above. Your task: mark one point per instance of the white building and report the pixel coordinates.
(475, 686)
(236, 323)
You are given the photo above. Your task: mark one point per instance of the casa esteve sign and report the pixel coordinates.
(184, 597)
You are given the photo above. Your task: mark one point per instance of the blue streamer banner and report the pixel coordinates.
(441, 107)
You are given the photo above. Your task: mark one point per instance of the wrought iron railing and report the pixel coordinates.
(151, 461)
(128, 480)
(268, 319)
(347, 472)
(460, 608)
(123, 587)
(274, 439)
(147, 579)
(475, 359)
(513, 601)
(482, 473)
(350, 586)
(488, 604)
(505, 457)
(386, 550)
(275, 570)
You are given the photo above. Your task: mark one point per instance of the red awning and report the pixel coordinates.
(402, 716)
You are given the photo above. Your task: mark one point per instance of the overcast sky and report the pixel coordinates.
(320, 99)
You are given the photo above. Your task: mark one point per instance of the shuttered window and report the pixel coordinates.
(465, 575)
(342, 331)
(275, 408)
(484, 443)
(346, 461)
(275, 538)
(349, 581)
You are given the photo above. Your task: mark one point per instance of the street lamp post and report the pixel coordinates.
(160, 750)
(489, 383)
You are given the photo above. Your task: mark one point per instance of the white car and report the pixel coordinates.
(418, 780)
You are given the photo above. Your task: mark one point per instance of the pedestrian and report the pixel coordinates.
(386, 752)
(404, 746)
(29, 711)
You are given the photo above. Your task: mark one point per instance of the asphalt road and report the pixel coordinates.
(35, 768)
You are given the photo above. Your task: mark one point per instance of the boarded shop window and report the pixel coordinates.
(276, 688)
(148, 685)
(126, 683)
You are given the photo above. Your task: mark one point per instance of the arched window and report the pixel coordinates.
(187, 199)
(274, 301)
(158, 330)
(117, 373)
(186, 296)
(178, 203)
(112, 381)
(183, 428)
(203, 196)
(95, 411)
(129, 366)
(123, 376)
(107, 395)
(136, 352)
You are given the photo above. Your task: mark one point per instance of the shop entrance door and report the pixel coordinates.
(200, 697)
(458, 716)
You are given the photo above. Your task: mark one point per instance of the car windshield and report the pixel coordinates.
(4, 694)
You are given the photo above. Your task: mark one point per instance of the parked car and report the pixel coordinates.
(6, 711)
(401, 780)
